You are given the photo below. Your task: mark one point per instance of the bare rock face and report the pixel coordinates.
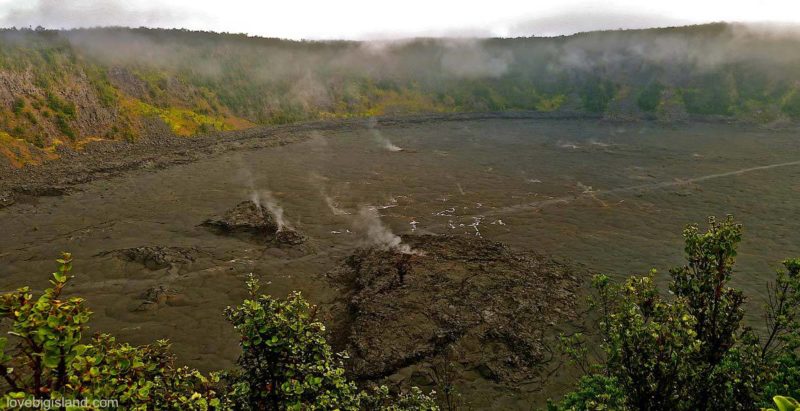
(92, 117)
(158, 257)
(128, 82)
(254, 221)
(491, 305)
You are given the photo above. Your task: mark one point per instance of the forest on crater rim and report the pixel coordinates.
(64, 89)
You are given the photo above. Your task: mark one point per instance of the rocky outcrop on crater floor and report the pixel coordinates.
(491, 305)
(254, 222)
(158, 257)
(159, 296)
(6, 199)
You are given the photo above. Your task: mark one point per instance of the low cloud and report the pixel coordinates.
(565, 24)
(89, 13)
(469, 59)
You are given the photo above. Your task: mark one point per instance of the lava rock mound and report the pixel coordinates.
(493, 306)
(158, 257)
(247, 217)
(158, 296)
(255, 222)
(6, 199)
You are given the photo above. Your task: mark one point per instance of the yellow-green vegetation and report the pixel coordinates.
(551, 103)
(784, 404)
(185, 122)
(15, 150)
(20, 153)
(384, 102)
(108, 83)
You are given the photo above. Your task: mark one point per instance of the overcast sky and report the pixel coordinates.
(370, 19)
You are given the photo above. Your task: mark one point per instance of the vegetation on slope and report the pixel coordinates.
(60, 87)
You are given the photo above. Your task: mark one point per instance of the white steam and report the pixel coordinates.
(262, 197)
(380, 138)
(368, 222)
(332, 204)
(267, 200)
(469, 59)
(384, 142)
(318, 181)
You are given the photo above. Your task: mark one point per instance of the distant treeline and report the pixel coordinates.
(67, 87)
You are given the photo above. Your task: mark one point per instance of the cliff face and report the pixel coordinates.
(41, 117)
(64, 88)
(64, 100)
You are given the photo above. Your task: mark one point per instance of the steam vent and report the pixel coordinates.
(254, 222)
(489, 305)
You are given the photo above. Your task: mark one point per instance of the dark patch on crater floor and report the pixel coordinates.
(158, 257)
(254, 222)
(155, 297)
(489, 304)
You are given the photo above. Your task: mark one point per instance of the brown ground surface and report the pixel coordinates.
(485, 304)
(104, 159)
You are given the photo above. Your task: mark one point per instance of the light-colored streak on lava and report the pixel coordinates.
(640, 187)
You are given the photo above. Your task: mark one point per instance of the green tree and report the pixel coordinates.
(286, 364)
(650, 97)
(48, 359)
(596, 94)
(791, 104)
(689, 350)
(18, 105)
(782, 343)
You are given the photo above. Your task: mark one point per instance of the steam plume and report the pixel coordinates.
(378, 136)
(266, 199)
(262, 197)
(318, 181)
(384, 142)
(369, 222)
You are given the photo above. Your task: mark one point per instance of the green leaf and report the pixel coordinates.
(786, 403)
(51, 361)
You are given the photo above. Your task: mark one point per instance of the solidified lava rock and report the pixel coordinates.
(155, 297)
(254, 221)
(6, 199)
(289, 237)
(247, 217)
(158, 257)
(492, 305)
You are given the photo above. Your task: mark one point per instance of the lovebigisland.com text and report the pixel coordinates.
(60, 403)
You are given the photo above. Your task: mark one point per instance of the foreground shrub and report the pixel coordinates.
(782, 347)
(286, 364)
(285, 359)
(689, 350)
(47, 359)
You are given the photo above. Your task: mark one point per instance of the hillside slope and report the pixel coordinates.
(67, 88)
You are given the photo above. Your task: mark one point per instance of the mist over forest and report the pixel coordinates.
(403, 224)
(62, 87)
